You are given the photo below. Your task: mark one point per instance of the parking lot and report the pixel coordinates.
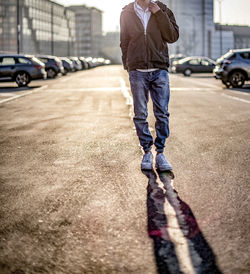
(73, 197)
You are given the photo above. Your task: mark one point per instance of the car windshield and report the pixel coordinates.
(37, 61)
(57, 59)
(226, 56)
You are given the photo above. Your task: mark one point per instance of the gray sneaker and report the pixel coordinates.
(147, 161)
(162, 163)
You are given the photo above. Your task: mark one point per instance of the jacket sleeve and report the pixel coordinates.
(167, 25)
(124, 40)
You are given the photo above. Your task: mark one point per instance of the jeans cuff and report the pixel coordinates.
(146, 150)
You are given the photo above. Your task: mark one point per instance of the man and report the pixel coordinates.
(146, 28)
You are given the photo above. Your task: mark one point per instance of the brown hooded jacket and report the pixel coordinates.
(146, 50)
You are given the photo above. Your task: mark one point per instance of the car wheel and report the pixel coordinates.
(237, 79)
(226, 83)
(187, 72)
(65, 72)
(51, 73)
(22, 79)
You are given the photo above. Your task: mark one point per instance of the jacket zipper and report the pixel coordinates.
(145, 39)
(146, 42)
(146, 47)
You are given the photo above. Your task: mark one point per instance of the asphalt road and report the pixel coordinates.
(74, 200)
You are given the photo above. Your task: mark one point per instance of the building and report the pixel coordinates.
(198, 34)
(241, 34)
(111, 47)
(44, 27)
(88, 21)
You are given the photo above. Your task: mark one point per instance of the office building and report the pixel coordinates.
(241, 34)
(45, 27)
(111, 47)
(88, 21)
(198, 34)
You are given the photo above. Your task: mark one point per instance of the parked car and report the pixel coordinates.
(107, 62)
(83, 62)
(194, 64)
(89, 60)
(67, 65)
(76, 63)
(21, 68)
(233, 68)
(53, 65)
(174, 57)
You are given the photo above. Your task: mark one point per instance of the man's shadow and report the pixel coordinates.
(201, 254)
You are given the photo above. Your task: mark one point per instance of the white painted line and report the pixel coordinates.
(178, 239)
(172, 211)
(124, 89)
(127, 96)
(177, 235)
(83, 89)
(236, 98)
(22, 95)
(197, 82)
(190, 89)
(6, 95)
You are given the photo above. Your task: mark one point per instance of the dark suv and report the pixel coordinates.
(53, 65)
(233, 68)
(21, 68)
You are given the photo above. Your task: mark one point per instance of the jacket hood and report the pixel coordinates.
(129, 7)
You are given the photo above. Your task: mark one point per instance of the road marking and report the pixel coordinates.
(205, 84)
(22, 95)
(124, 89)
(177, 238)
(190, 89)
(236, 98)
(83, 89)
(129, 100)
(6, 94)
(173, 228)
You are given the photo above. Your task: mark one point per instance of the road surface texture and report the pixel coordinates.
(74, 200)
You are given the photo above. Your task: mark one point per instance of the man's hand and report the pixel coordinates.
(153, 7)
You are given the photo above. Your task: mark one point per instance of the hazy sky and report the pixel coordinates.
(233, 11)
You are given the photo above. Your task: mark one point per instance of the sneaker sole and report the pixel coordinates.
(164, 168)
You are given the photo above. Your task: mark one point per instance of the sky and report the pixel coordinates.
(233, 11)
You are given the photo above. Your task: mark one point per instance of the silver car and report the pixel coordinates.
(233, 68)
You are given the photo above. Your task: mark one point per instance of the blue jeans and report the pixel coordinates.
(157, 83)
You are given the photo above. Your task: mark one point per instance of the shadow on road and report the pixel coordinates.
(167, 261)
(245, 89)
(9, 89)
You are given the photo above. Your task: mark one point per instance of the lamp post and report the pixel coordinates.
(220, 15)
(18, 26)
(52, 28)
